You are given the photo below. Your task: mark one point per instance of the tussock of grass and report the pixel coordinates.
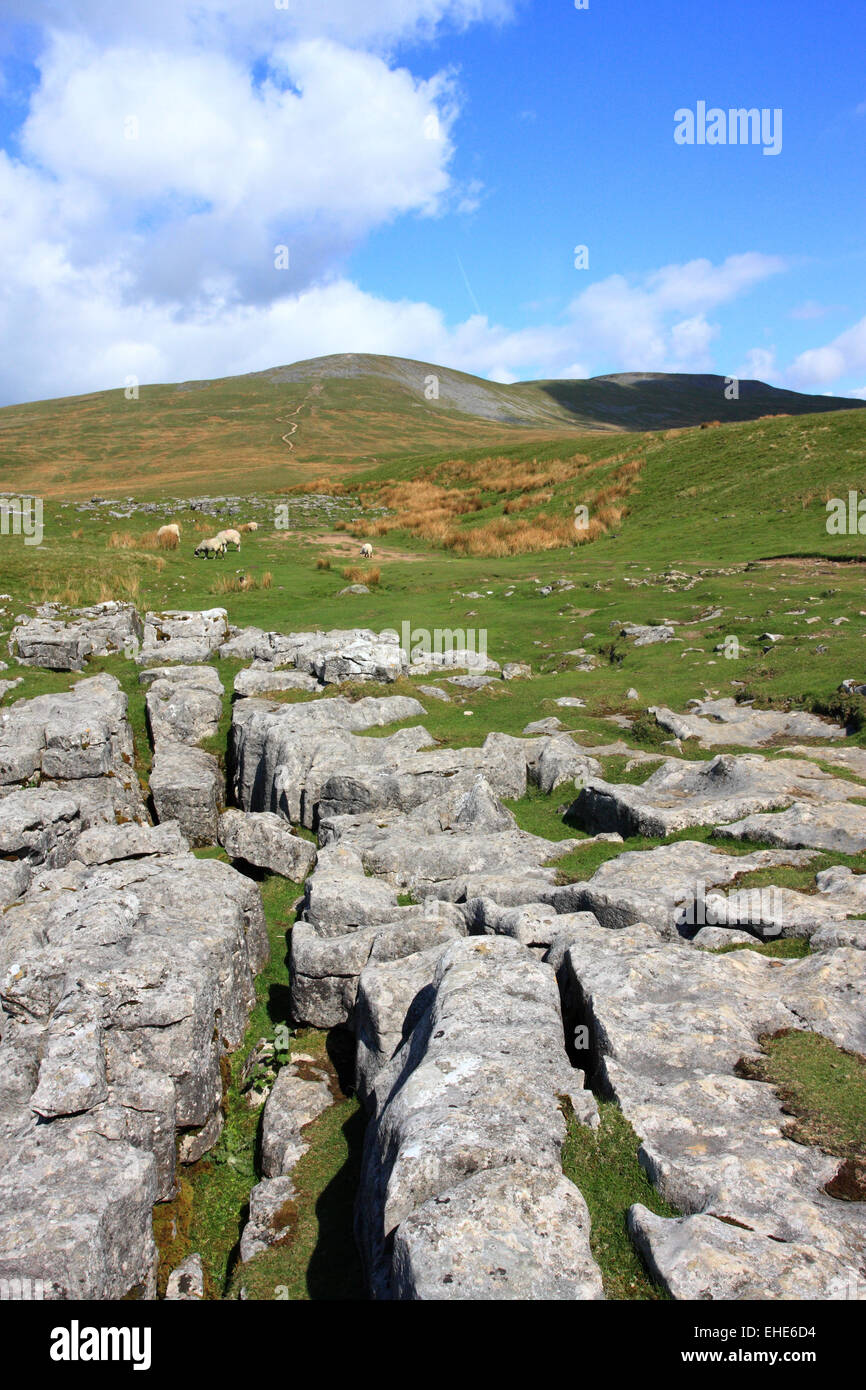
(354, 574)
(240, 583)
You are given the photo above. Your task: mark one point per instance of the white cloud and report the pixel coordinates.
(759, 364)
(699, 285)
(259, 22)
(818, 367)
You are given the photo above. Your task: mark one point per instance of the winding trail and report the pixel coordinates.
(287, 437)
(281, 419)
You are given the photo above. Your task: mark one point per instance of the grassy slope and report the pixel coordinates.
(351, 413)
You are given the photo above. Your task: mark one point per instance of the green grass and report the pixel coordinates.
(209, 1211)
(787, 948)
(603, 1164)
(822, 1086)
(318, 1258)
(795, 457)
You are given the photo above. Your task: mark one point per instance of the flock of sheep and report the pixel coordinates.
(211, 545)
(219, 544)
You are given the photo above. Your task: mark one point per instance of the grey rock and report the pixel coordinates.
(185, 783)
(182, 636)
(300, 1093)
(186, 1282)
(184, 705)
(71, 1072)
(726, 721)
(499, 1235)
(325, 969)
(39, 827)
(103, 844)
(550, 725)
(59, 644)
(266, 737)
(476, 682)
(657, 886)
(681, 794)
(434, 693)
(666, 1030)
(837, 827)
(647, 636)
(264, 680)
(121, 986)
(78, 741)
(266, 840)
(272, 1204)
(472, 1095)
(700, 1257)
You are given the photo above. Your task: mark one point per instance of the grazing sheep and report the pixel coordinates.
(231, 537)
(367, 551)
(213, 545)
(172, 529)
(250, 526)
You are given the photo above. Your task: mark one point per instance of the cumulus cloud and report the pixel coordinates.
(259, 22)
(818, 367)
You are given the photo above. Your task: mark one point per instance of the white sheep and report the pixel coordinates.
(367, 551)
(231, 537)
(172, 529)
(212, 545)
(251, 526)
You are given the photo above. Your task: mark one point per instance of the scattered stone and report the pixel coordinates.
(551, 725)
(648, 636)
(186, 1283)
(433, 692)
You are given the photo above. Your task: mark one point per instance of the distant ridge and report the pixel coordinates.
(342, 412)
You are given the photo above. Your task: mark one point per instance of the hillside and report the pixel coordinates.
(278, 428)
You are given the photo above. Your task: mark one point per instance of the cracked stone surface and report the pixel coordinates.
(462, 1186)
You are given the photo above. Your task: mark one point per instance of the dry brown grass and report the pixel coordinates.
(325, 487)
(433, 509)
(323, 563)
(240, 583)
(354, 574)
(525, 501)
(122, 540)
(502, 537)
(148, 540)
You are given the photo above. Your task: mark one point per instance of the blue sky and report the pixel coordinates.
(149, 250)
